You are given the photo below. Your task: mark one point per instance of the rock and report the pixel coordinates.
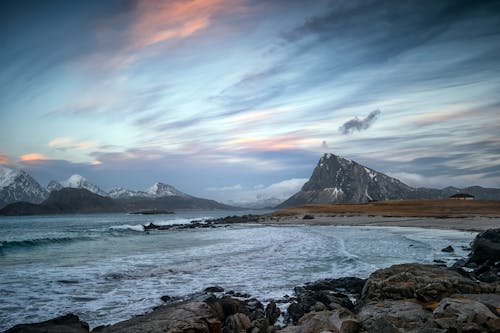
(449, 248)
(64, 324)
(214, 289)
(393, 316)
(455, 314)
(324, 295)
(486, 246)
(308, 217)
(339, 320)
(166, 298)
(187, 317)
(423, 282)
(272, 312)
(237, 323)
(492, 301)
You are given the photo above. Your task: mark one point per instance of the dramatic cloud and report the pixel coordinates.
(160, 21)
(359, 125)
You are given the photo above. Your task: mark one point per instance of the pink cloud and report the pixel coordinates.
(159, 21)
(4, 159)
(33, 157)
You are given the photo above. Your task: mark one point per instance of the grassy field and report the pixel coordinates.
(403, 208)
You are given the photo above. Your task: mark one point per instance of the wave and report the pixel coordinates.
(128, 227)
(31, 243)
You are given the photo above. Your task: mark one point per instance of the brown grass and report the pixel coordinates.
(403, 208)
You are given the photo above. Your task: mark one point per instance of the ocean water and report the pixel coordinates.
(104, 268)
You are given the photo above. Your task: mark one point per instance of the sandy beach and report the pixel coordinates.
(476, 215)
(464, 224)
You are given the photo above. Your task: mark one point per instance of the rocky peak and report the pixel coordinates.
(17, 185)
(163, 190)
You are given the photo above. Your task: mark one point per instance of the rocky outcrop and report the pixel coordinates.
(64, 324)
(486, 247)
(422, 282)
(403, 298)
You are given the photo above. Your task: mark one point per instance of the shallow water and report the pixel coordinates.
(105, 269)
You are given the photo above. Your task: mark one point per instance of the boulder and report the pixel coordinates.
(69, 323)
(339, 321)
(187, 317)
(459, 314)
(272, 312)
(237, 323)
(422, 282)
(393, 316)
(486, 246)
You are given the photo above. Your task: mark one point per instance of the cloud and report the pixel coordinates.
(160, 21)
(237, 193)
(33, 157)
(359, 125)
(4, 159)
(225, 188)
(63, 144)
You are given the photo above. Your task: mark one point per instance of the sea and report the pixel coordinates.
(105, 268)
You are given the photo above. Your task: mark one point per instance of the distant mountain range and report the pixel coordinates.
(21, 194)
(334, 180)
(340, 180)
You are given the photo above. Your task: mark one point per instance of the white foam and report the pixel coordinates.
(137, 227)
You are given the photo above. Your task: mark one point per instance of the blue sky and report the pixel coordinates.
(235, 99)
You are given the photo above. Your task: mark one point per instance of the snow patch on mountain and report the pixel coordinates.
(17, 185)
(77, 181)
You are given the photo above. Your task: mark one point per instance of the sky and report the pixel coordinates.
(238, 99)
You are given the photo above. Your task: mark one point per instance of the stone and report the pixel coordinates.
(214, 289)
(273, 312)
(187, 317)
(69, 323)
(392, 316)
(423, 282)
(338, 321)
(486, 246)
(449, 248)
(236, 323)
(460, 313)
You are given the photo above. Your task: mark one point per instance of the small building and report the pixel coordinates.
(462, 196)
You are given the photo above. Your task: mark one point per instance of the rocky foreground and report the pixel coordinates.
(401, 298)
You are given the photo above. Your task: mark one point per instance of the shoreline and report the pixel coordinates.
(473, 224)
(399, 298)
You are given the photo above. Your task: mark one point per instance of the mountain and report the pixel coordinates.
(158, 190)
(54, 186)
(76, 181)
(339, 180)
(164, 190)
(17, 185)
(65, 201)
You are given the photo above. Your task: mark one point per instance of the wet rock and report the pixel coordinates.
(455, 314)
(272, 312)
(64, 324)
(166, 298)
(393, 316)
(486, 246)
(236, 323)
(423, 282)
(214, 289)
(339, 320)
(308, 217)
(449, 248)
(187, 317)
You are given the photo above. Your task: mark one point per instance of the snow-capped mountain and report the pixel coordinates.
(123, 193)
(340, 180)
(164, 190)
(54, 186)
(76, 181)
(337, 179)
(17, 185)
